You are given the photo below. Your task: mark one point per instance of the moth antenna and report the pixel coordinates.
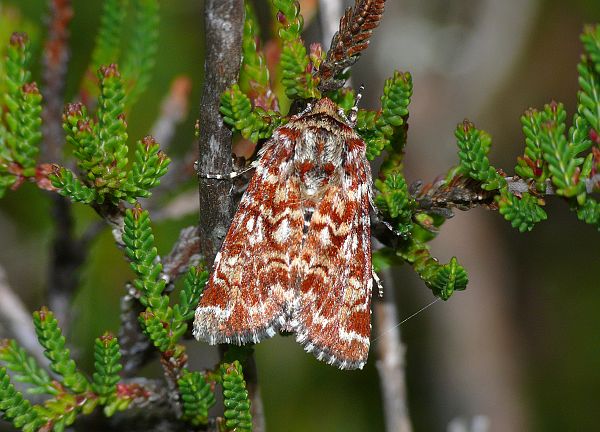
(354, 110)
(306, 110)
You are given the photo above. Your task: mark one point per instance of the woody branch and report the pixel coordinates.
(67, 253)
(464, 193)
(224, 20)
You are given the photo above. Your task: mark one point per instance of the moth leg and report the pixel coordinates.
(231, 175)
(377, 282)
(380, 219)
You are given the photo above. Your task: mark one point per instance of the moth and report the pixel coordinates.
(297, 256)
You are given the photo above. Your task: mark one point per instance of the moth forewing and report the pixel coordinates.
(297, 256)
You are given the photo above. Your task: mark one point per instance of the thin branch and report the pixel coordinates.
(66, 256)
(464, 193)
(136, 347)
(16, 319)
(185, 253)
(223, 29)
(147, 412)
(224, 20)
(173, 110)
(56, 56)
(390, 362)
(114, 217)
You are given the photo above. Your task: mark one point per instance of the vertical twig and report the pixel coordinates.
(390, 362)
(17, 320)
(224, 20)
(223, 30)
(66, 255)
(173, 110)
(56, 56)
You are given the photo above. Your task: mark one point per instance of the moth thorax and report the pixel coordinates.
(318, 160)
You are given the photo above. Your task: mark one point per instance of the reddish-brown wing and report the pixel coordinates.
(247, 296)
(332, 318)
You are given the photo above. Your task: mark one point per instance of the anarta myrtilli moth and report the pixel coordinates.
(297, 256)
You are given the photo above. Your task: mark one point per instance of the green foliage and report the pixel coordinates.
(163, 324)
(106, 363)
(557, 152)
(473, 147)
(25, 368)
(522, 213)
(531, 165)
(139, 248)
(591, 43)
(70, 186)
(11, 19)
(111, 132)
(395, 202)
(20, 131)
(445, 279)
(366, 126)
(156, 330)
(149, 165)
(386, 129)
(140, 59)
(101, 150)
(589, 212)
(296, 67)
(384, 258)
(397, 93)
(345, 98)
(442, 279)
(253, 123)
(108, 39)
(196, 396)
(193, 285)
(588, 96)
(50, 337)
(254, 74)
(551, 153)
(15, 408)
(235, 398)
(80, 134)
(62, 410)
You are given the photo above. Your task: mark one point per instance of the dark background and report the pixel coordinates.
(521, 346)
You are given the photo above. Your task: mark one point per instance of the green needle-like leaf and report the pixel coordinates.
(523, 213)
(197, 397)
(50, 337)
(25, 368)
(235, 398)
(106, 363)
(141, 54)
(15, 408)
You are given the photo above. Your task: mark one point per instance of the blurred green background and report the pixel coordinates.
(552, 296)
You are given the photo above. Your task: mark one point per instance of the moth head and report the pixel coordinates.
(330, 108)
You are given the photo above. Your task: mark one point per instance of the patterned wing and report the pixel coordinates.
(247, 297)
(333, 316)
